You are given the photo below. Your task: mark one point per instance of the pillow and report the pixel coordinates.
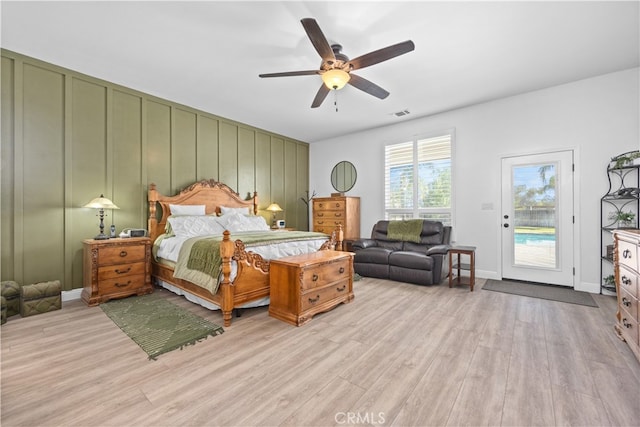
(187, 209)
(236, 222)
(227, 211)
(194, 226)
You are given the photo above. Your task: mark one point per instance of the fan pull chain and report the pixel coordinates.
(335, 99)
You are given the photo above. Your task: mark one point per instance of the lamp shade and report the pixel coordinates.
(101, 203)
(274, 207)
(335, 79)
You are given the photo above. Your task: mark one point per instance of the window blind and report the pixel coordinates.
(418, 179)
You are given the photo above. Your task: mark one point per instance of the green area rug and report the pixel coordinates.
(543, 291)
(157, 325)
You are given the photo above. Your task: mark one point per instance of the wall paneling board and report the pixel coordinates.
(68, 137)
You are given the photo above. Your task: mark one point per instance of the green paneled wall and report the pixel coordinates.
(68, 137)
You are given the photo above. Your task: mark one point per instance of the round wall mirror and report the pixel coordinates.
(343, 176)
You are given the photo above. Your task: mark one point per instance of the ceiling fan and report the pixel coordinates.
(336, 68)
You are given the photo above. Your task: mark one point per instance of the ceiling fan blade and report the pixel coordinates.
(381, 55)
(291, 73)
(367, 86)
(318, 39)
(320, 96)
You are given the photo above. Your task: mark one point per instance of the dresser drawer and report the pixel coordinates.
(326, 227)
(628, 254)
(629, 327)
(121, 254)
(321, 275)
(121, 284)
(629, 303)
(121, 270)
(329, 215)
(319, 296)
(328, 205)
(629, 281)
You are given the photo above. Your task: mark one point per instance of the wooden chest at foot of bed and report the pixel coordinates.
(304, 285)
(40, 298)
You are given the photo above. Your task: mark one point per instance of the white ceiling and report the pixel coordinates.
(208, 54)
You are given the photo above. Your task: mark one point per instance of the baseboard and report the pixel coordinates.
(71, 295)
(592, 288)
(484, 274)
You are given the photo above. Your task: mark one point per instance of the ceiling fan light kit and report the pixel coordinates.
(335, 79)
(336, 68)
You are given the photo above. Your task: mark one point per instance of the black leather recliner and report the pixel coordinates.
(424, 263)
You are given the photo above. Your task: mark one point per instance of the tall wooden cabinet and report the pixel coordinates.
(627, 278)
(329, 212)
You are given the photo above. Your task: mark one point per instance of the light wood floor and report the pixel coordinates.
(398, 355)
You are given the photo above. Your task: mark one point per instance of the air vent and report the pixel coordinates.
(401, 113)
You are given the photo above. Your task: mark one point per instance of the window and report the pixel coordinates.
(418, 179)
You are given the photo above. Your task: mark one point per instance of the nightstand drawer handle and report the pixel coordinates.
(342, 288)
(314, 278)
(625, 280)
(123, 271)
(123, 253)
(626, 254)
(314, 300)
(341, 270)
(626, 302)
(625, 323)
(122, 285)
(320, 214)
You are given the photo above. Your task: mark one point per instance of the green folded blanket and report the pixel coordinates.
(408, 230)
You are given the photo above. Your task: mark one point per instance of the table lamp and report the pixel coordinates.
(101, 203)
(274, 207)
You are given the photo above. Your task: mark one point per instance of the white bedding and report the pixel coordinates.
(169, 247)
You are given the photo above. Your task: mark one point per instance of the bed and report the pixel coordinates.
(243, 277)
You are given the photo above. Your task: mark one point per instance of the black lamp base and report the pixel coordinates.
(101, 236)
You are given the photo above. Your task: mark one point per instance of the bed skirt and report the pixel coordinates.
(204, 303)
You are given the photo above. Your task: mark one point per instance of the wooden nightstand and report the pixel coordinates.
(304, 285)
(116, 268)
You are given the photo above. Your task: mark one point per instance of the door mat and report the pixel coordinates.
(157, 325)
(543, 291)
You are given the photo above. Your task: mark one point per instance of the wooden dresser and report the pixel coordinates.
(329, 212)
(304, 285)
(627, 272)
(116, 268)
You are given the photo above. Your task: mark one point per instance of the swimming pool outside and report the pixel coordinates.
(534, 239)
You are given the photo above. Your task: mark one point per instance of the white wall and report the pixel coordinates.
(598, 118)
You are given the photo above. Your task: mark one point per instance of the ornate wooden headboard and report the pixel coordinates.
(208, 192)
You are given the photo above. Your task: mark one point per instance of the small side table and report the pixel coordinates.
(458, 266)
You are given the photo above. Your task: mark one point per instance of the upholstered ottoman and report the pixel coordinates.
(3, 313)
(11, 291)
(40, 298)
